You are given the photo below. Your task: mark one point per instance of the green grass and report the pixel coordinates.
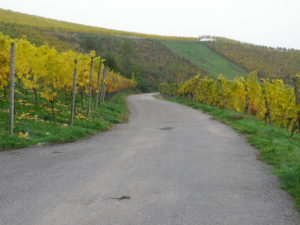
(42, 128)
(205, 59)
(275, 145)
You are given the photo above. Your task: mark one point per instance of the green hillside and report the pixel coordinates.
(206, 59)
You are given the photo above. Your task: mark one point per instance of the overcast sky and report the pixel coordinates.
(266, 22)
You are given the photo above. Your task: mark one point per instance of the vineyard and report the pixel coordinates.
(40, 84)
(269, 100)
(11, 17)
(274, 63)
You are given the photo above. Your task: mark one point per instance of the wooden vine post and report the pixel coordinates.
(12, 88)
(73, 94)
(247, 106)
(103, 86)
(297, 97)
(268, 112)
(222, 94)
(90, 86)
(205, 97)
(98, 86)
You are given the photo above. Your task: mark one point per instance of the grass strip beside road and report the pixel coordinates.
(274, 144)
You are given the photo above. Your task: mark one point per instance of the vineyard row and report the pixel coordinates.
(269, 100)
(50, 74)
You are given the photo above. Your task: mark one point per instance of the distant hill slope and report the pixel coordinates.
(12, 17)
(268, 62)
(37, 36)
(154, 58)
(140, 56)
(206, 59)
(150, 61)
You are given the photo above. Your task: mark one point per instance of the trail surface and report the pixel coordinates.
(170, 165)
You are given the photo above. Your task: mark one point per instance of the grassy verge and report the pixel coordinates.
(275, 145)
(38, 123)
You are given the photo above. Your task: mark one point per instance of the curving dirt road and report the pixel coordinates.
(170, 165)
